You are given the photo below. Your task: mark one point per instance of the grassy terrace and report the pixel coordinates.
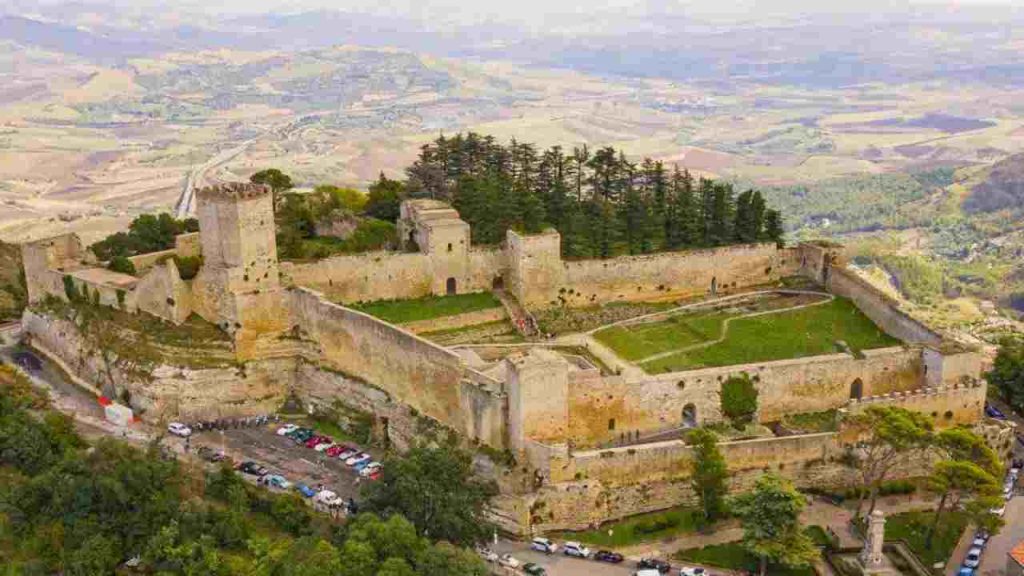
(638, 529)
(733, 556)
(427, 308)
(808, 331)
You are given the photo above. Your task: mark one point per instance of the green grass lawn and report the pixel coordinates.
(733, 556)
(912, 527)
(642, 340)
(807, 332)
(638, 529)
(404, 311)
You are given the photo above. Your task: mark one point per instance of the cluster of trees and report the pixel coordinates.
(601, 203)
(297, 217)
(1007, 374)
(80, 510)
(966, 476)
(146, 233)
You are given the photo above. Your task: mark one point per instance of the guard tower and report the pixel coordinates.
(238, 287)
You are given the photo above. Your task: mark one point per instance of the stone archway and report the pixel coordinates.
(714, 285)
(690, 416)
(856, 389)
(498, 283)
(450, 287)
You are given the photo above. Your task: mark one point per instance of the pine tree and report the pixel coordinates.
(773, 227)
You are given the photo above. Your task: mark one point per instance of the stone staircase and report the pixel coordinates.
(521, 319)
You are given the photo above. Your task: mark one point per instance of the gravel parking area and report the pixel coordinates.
(282, 456)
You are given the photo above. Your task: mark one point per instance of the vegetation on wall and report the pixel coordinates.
(602, 204)
(147, 233)
(122, 265)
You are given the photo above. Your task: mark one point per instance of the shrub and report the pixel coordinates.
(739, 399)
(188, 266)
(122, 265)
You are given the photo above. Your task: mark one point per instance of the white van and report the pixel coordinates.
(543, 545)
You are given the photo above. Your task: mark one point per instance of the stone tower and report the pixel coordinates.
(238, 287)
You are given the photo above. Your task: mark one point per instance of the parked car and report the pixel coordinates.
(534, 569)
(543, 545)
(993, 412)
(978, 542)
(370, 468)
(287, 429)
(965, 571)
(317, 440)
(277, 481)
(981, 534)
(487, 554)
(508, 561)
(179, 429)
(301, 435)
(251, 468)
(647, 572)
(608, 556)
(973, 558)
(335, 450)
(305, 490)
(329, 498)
(654, 563)
(375, 475)
(999, 511)
(695, 571)
(358, 458)
(348, 453)
(576, 549)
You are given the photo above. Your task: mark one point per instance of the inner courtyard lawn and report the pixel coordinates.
(808, 331)
(428, 307)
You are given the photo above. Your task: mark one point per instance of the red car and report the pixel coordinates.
(333, 451)
(312, 442)
(375, 475)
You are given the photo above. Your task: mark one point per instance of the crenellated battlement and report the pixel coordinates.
(233, 191)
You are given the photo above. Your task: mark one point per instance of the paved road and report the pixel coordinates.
(993, 562)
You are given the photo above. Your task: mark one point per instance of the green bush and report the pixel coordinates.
(188, 266)
(739, 399)
(122, 265)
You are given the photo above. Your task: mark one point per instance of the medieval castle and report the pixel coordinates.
(561, 415)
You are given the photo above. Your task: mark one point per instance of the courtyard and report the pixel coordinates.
(757, 328)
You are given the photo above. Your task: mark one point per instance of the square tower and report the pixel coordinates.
(238, 287)
(236, 223)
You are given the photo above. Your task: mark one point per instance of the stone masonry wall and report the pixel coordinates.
(657, 402)
(414, 371)
(686, 273)
(879, 307)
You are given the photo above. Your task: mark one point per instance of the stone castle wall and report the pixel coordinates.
(951, 405)
(588, 488)
(414, 371)
(386, 275)
(657, 402)
(879, 307)
(676, 274)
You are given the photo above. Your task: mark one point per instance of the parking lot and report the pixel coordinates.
(281, 455)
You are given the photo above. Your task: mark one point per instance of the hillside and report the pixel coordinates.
(1004, 187)
(12, 287)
